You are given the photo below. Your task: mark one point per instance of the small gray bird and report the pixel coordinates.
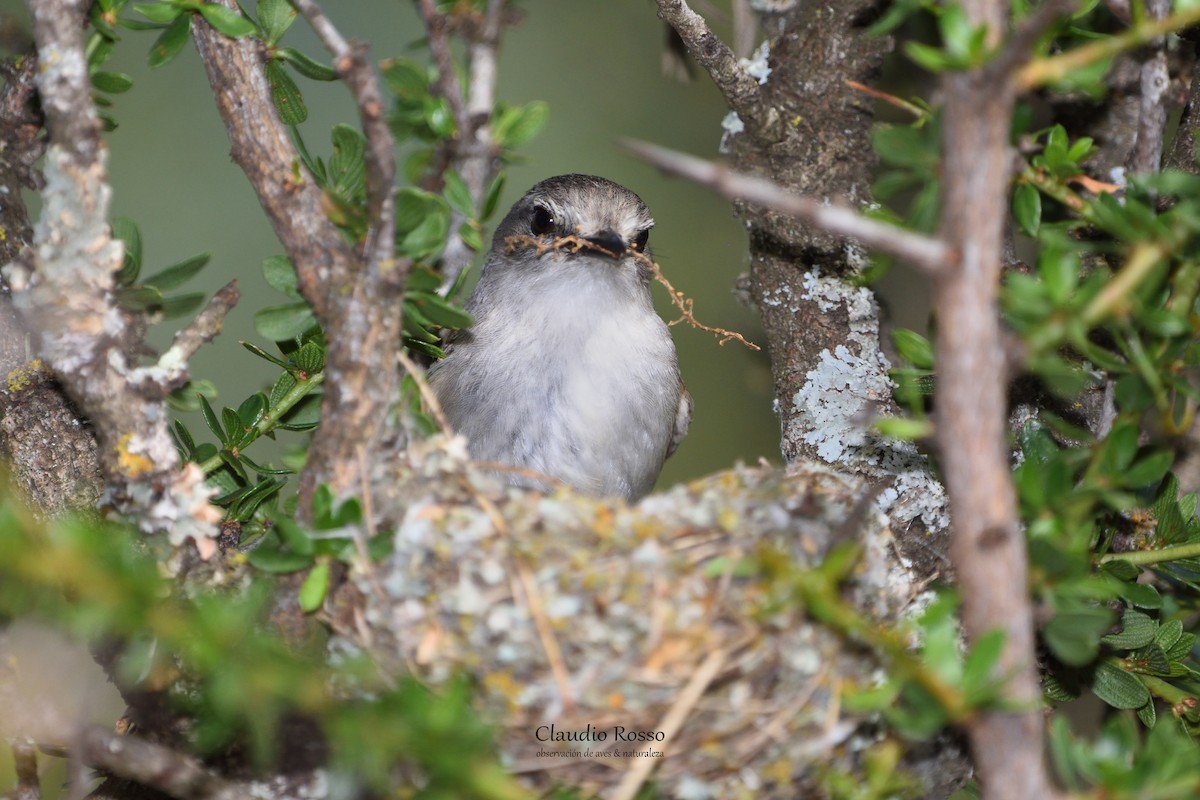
(567, 370)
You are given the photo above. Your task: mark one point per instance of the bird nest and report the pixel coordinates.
(612, 643)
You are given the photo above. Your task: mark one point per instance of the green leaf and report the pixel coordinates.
(280, 323)
(458, 195)
(183, 438)
(1148, 715)
(347, 165)
(127, 231)
(905, 428)
(1137, 630)
(171, 41)
(274, 559)
(112, 82)
(286, 95)
(226, 20)
(926, 57)
(491, 198)
(176, 275)
(1074, 636)
(1148, 470)
(1141, 595)
(140, 298)
(280, 274)
(233, 425)
(210, 419)
(263, 354)
(310, 358)
(305, 415)
(1027, 208)
(1118, 688)
(518, 125)
(275, 16)
(284, 384)
(1149, 660)
(252, 410)
(979, 670)
(315, 587)
(158, 12)
(913, 347)
(180, 305)
(405, 79)
(1132, 393)
(308, 67)
(470, 235)
(440, 312)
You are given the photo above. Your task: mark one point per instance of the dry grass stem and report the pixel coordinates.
(573, 244)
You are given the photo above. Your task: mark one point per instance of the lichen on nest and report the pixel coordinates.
(593, 616)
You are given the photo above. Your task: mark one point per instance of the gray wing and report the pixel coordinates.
(683, 419)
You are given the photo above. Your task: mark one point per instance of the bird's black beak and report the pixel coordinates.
(609, 242)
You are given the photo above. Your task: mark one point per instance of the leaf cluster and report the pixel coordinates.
(239, 681)
(1106, 316)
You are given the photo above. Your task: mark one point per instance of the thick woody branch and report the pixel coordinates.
(740, 90)
(929, 255)
(260, 145)
(153, 766)
(351, 64)
(1155, 80)
(52, 457)
(358, 305)
(67, 297)
(987, 547)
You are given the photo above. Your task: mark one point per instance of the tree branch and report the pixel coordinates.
(53, 458)
(351, 64)
(1047, 70)
(68, 297)
(1155, 80)
(928, 255)
(200, 331)
(358, 305)
(987, 547)
(740, 90)
(153, 766)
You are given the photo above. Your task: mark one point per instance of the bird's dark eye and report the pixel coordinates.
(542, 222)
(639, 241)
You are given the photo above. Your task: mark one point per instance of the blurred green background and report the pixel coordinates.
(597, 64)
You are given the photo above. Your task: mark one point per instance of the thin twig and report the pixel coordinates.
(427, 393)
(350, 62)
(641, 768)
(1047, 70)
(929, 255)
(360, 542)
(446, 81)
(201, 330)
(473, 154)
(916, 111)
(574, 244)
(740, 90)
(1019, 45)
